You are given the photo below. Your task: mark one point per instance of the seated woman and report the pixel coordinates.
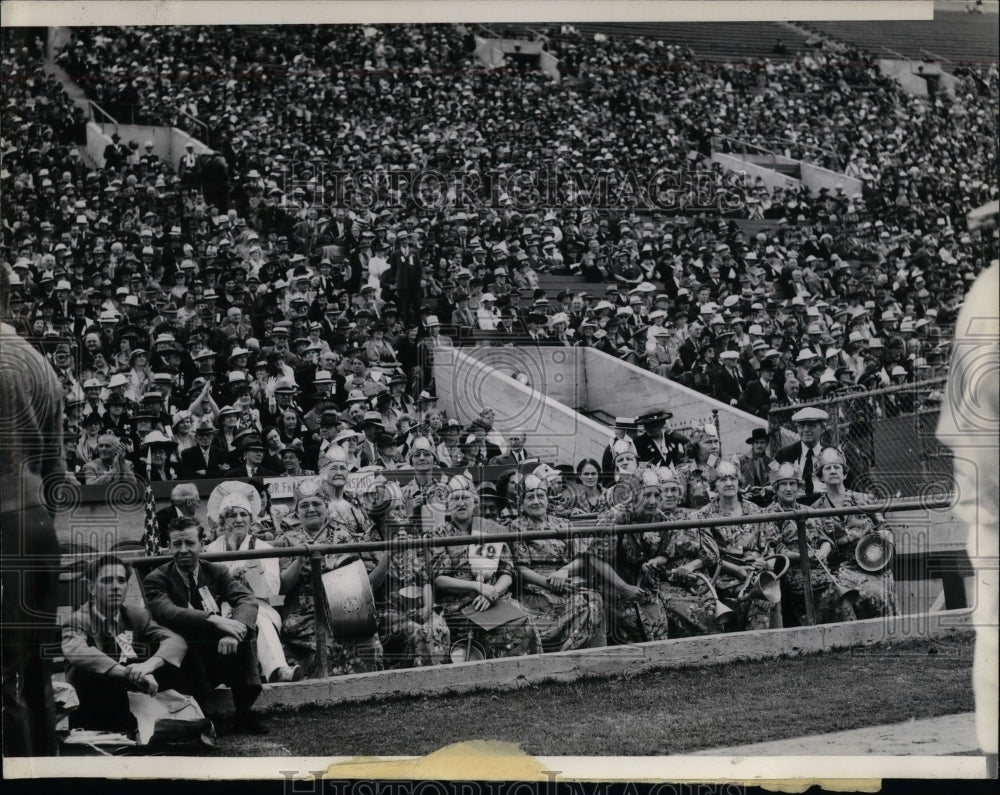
(877, 589)
(677, 555)
(476, 578)
(412, 632)
(826, 590)
(634, 613)
(743, 548)
(568, 615)
(698, 475)
(588, 491)
(314, 522)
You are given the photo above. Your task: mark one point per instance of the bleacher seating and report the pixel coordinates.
(958, 36)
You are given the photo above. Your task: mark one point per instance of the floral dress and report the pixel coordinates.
(573, 619)
(629, 621)
(697, 484)
(298, 631)
(408, 639)
(688, 602)
(511, 639)
(738, 539)
(877, 589)
(826, 603)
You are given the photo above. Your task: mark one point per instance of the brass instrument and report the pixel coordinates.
(846, 597)
(874, 552)
(725, 617)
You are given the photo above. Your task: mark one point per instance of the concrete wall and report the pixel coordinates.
(903, 73)
(556, 433)
(772, 179)
(558, 372)
(816, 177)
(622, 389)
(168, 142)
(514, 673)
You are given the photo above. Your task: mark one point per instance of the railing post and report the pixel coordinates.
(321, 615)
(800, 526)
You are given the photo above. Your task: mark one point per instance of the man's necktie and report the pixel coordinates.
(193, 595)
(807, 473)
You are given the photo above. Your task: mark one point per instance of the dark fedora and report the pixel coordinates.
(757, 435)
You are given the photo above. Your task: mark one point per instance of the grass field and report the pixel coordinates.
(658, 713)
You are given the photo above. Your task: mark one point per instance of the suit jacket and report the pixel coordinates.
(756, 399)
(727, 388)
(647, 451)
(791, 454)
(507, 459)
(89, 646)
(192, 460)
(407, 270)
(167, 597)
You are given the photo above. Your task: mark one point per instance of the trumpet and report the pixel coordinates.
(725, 617)
(846, 597)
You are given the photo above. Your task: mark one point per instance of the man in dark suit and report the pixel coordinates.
(804, 454)
(516, 454)
(252, 451)
(405, 265)
(654, 445)
(184, 501)
(110, 649)
(728, 380)
(188, 596)
(758, 395)
(205, 459)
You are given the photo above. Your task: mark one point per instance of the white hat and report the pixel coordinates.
(432, 320)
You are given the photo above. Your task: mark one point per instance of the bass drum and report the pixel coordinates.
(352, 603)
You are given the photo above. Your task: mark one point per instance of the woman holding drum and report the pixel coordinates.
(568, 615)
(349, 649)
(864, 542)
(472, 582)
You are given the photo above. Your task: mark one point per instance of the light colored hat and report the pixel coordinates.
(235, 492)
(810, 414)
(785, 471)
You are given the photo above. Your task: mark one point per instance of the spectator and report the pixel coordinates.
(187, 596)
(111, 648)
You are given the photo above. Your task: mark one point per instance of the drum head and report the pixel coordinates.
(467, 651)
(352, 604)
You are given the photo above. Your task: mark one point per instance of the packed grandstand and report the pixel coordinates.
(354, 199)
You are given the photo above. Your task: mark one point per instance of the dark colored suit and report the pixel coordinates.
(169, 601)
(193, 461)
(91, 650)
(727, 388)
(408, 273)
(756, 399)
(648, 453)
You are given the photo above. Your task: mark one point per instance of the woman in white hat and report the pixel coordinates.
(479, 576)
(877, 589)
(311, 522)
(155, 464)
(236, 514)
(551, 576)
(412, 632)
(183, 430)
(743, 547)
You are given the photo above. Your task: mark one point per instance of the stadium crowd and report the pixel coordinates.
(263, 310)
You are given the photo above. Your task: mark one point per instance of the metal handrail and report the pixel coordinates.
(935, 56)
(893, 52)
(94, 106)
(321, 608)
(889, 506)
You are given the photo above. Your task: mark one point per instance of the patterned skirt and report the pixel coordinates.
(573, 620)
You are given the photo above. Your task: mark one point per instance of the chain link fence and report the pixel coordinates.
(887, 436)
